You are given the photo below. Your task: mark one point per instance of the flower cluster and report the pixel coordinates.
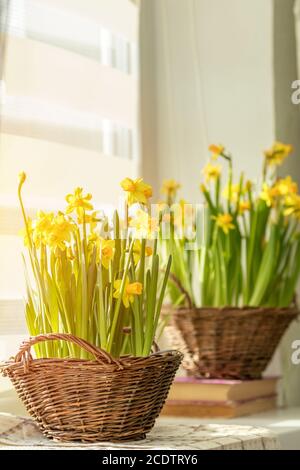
(276, 155)
(136, 190)
(91, 281)
(283, 193)
(249, 236)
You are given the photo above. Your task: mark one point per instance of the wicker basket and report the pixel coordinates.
(92, 400)
(228, 342)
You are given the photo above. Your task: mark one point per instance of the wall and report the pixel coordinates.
(207, 73)
(216, 71)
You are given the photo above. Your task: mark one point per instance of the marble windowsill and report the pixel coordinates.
(22, 433)
(283, 423)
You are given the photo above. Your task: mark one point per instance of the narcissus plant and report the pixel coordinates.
(248, 253)
(97, 279)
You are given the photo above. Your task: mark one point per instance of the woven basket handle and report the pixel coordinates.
(100, 355)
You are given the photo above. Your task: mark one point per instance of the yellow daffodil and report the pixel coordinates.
(170, 187)
(292, 206)
(130, 290)
(137, 250)
(216, 150)
(78, 202)
(91, 219)
(25, 231)
(43, 222)
(105, 248)
(232, 192)
(244, 206)
(211, 172)
(144, 225)
(61, 231)
(276, 155)
(270, 194)
(39, 229)
(286, 186)
(42, 227)
(224, 221)
(136, 190)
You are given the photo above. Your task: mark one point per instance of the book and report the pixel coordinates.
(209, 409)
(215, 390)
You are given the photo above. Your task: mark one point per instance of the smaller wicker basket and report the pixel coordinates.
(105, 399)
(227, 342)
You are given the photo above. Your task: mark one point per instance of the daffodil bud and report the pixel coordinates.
(22, 178)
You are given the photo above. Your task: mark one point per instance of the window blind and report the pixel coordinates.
(68, 117)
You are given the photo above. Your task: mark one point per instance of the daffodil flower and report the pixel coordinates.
(60, 233)
(137, 251)
(269, 194)
(144, 225)
(216, 150)
(105, 249)
(244, 206)
(232, 192)
(276, 155)
(130, 290)
(286, 186)
(170, 187)
(292, 206)
(136, 190)
(212, 172)
(44, 222)
(42, 227)
(78, 202)
(91, 219)
(224, 221)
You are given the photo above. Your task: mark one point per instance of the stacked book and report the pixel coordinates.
(206, 398)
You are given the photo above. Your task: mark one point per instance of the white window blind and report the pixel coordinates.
(68, 117)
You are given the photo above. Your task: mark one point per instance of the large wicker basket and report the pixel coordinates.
(92, 400)
(228, 342)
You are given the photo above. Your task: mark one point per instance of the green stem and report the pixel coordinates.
(119, 301)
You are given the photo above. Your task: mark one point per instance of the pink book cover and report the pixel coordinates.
(216, 403)
(196, 380)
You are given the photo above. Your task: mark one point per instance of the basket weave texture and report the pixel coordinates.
(227, 342)
(105, 399)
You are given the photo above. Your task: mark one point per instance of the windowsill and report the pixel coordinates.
(10, 403)
(285, 423)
